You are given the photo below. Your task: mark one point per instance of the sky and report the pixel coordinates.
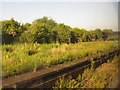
(87, 15)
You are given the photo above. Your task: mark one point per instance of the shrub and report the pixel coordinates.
(20, 58)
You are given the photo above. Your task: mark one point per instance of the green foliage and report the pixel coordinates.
(7, 39)
(74, 39)
(86, 37)
(108, 61)
(26, 25)
(65, 83)
(10, 29)
(100, 78)
(107, 30)
(81, 35)
(46, 30)
(27, 37)
(77, 34)
(8, 49)
(48, 21)
(63, 33)
(69, 82)
(42, 34)
(41, 29)
(98, 34)
(21, 58)
(50, 24)
(31, 52)
(93, 35)
(36, 33)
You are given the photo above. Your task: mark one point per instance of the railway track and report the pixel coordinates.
(46, 78)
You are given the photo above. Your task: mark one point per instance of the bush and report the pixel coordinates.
(27, 37)
(7, 39)
(20, 58)
(31, 52)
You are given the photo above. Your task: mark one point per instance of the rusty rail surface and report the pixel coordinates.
(46, 78)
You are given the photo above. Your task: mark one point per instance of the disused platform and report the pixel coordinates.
(45, 78)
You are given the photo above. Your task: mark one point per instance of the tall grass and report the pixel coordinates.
(98, 78)
(21, 58)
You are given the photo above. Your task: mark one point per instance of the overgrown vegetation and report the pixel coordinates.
(46, 30)
(103, 77)
(28, 47)
(20, 58)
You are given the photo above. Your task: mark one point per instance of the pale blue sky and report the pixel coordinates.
(88, 15)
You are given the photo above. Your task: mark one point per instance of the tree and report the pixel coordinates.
(10, 29)
(78, 33)
(27, 37)
(36, 33)
(26, 26)
(42, 30)
(74, 39)
(46, 30)
(93, 35)
(98, 34)
(86, 36)
(50, 23)
(62, 33)
(107, 30)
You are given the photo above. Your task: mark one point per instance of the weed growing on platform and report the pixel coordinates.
(21, 58)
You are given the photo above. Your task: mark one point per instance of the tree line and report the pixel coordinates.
(46, 30)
